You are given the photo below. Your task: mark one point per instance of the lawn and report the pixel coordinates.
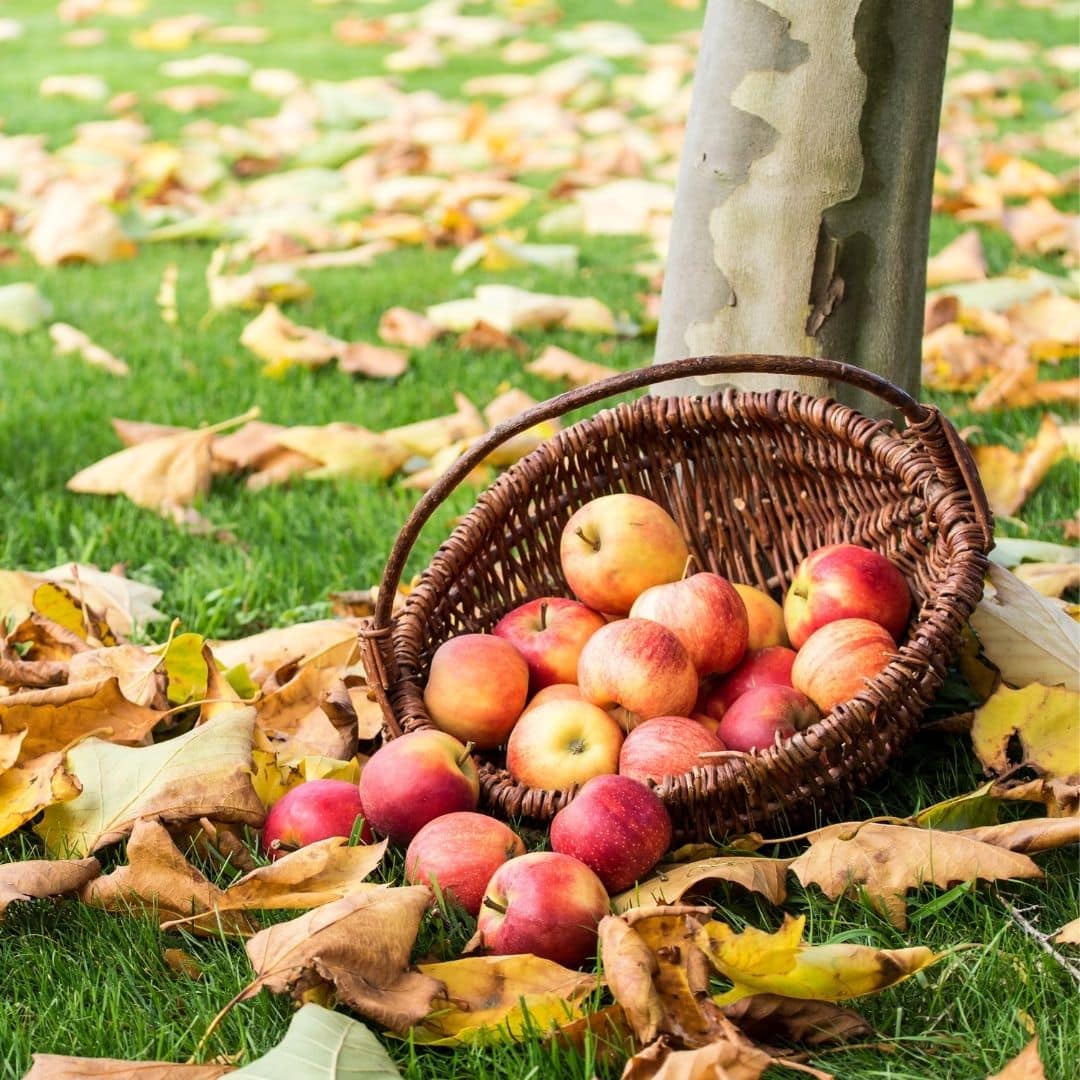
(82, 982)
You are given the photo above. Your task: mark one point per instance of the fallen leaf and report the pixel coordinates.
(1025, 1066)
(967, 811)
(270, 284)
(135, 670)
(166, 295)
(673, 882)
(1038, 226)
(183, 963)
(1069, 934)
(483, 337)
(1049, 324)
(33, 786)
(264, 653)
(22, 307)
(70, 226)
(1049, 579)
(125, 603)
(359, 358)
(67, 340)
(769, 1018)
(1009, 477)
(730, 1056)
(76, 87)
(279, 341)
(427, 437)
(1037, 726)
(60, 611)
(37, 878)
(508, 308)
(204, 773)
(62, 1067)
(274, 774)
(185, 663)
(557, 364)
(191, 97)
(1012, 551)
(400, 326)
(1029, 835)
(961, 260)
(1061, 798)
(346, 450)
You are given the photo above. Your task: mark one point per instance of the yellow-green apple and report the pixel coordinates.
(414, 779)
(476, 689)
(766, 618)
(616, 546)
(555, 692)
(760, 717)
(313, 810)
(845, 581)
(705, 613)
(666, 746)
(764, 667)
(549, 633)
(641, 666)
(543, 903)
(839, 658)
(562, 743)
(459, 852)
(617, 827)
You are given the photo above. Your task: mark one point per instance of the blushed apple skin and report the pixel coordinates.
(553, 904)
(460, 852)
(549, 633)
(617, 827)
(614, 547)
(845, 581)
(765, 667)
(414, 779)
(765, 617)
(666, 746)
(706, 613)
(477, 686)
(760, 716)
(639, 665)
(313, 810)
(838, 660)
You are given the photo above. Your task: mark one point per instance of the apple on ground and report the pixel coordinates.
(705, 613)
(667, 746)
(641, 666)
(313, 810)
(838, 660)
(617, 827)
(459, 852)
(477, 686)
(614, 547)
(765, 616)
(562, 743)
(549, 633)
(764, 667)
(542, 903)
(758, 718)
(845, 581)
(414, 779)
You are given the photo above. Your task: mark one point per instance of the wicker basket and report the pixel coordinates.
(755, 480)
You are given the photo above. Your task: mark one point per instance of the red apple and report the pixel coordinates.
(414, 779)
(544, 903)
(617, 827)
(550, 634)
(838, 660)
(705, 613)
(639, 665)
(765, 667)
(766, 618)
(845, 581)
(476, 689)
(666, 746)
(313, 811)
(554, 692)
(459, 853)
(562, 743)
(759, 717)
(614, 547)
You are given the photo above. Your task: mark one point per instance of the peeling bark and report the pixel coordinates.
(802, 213)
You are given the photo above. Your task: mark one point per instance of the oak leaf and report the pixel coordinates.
(1036, 725)
(29, 788)
(37, 878)
(671, 883)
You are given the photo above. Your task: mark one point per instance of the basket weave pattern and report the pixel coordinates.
(755, 481)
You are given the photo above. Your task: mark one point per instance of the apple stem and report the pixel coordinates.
(594, 544)
(494, 905)
(464, 756)
(543, 615)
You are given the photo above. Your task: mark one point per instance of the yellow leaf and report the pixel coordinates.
(1009, 477)
(427, 437)
(276, 774)
(1049, 579)
(56, 603)
(70, 225)
(186, 668)
(1037, 726)
(346, 450)
(979, 807)
(672, 883)
(27, 789)
(36, 878)
(278, 340)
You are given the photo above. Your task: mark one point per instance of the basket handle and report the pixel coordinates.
(957, 457)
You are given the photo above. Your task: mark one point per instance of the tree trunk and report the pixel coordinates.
(802, 212)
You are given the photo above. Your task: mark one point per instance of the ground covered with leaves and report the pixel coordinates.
(387, 227)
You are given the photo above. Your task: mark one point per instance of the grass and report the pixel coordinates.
(82, 982)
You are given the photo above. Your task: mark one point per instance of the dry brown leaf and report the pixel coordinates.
(359, 358)
(68, 340)
(37, 878)
(9, 748)
(961, 260)
(1010, 478)
(191, 97)
(247, 447)
(123, 602)
(183, 963)
(71, 226)
(400, 326)
(770, 1019)
(133, 432)
(1036, 726)
(483, 337)
(285, 707)
(1069, 934)
(1021, 387)
(1039, 226)
(888, 860)
(1060, 797)
(271, 650)
(362, 945)
(1029, 835)
(557, 364)
(62, 1067)
(138, 672)
(672, 883)
(280, 467)
(19, 674)
(1025, 1066)
(346, 450)
(731, 1056)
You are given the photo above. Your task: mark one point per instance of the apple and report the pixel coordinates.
(845, 581)
(414, 779)
(666, 746)
(562, 743)
(764, 667)
(617, 827)
(543, 903)
(705, 613)
(554, 692)
(459, 852)
(764, 714)
(639, 665)
(614, 547)
(839, 658)
(549, 633)
(477, 686)
(766, 618)
(313, 810)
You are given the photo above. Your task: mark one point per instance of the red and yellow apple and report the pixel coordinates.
(554, 692)
(313, 810)
(476, 689)
(765, 616)
(705, 613)
(760, 717)
(838, 660)
(616, 546)
(845, 581)
(562, 743)
(549, 633)
(458, 853)
(666, 746)
(765, 667)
